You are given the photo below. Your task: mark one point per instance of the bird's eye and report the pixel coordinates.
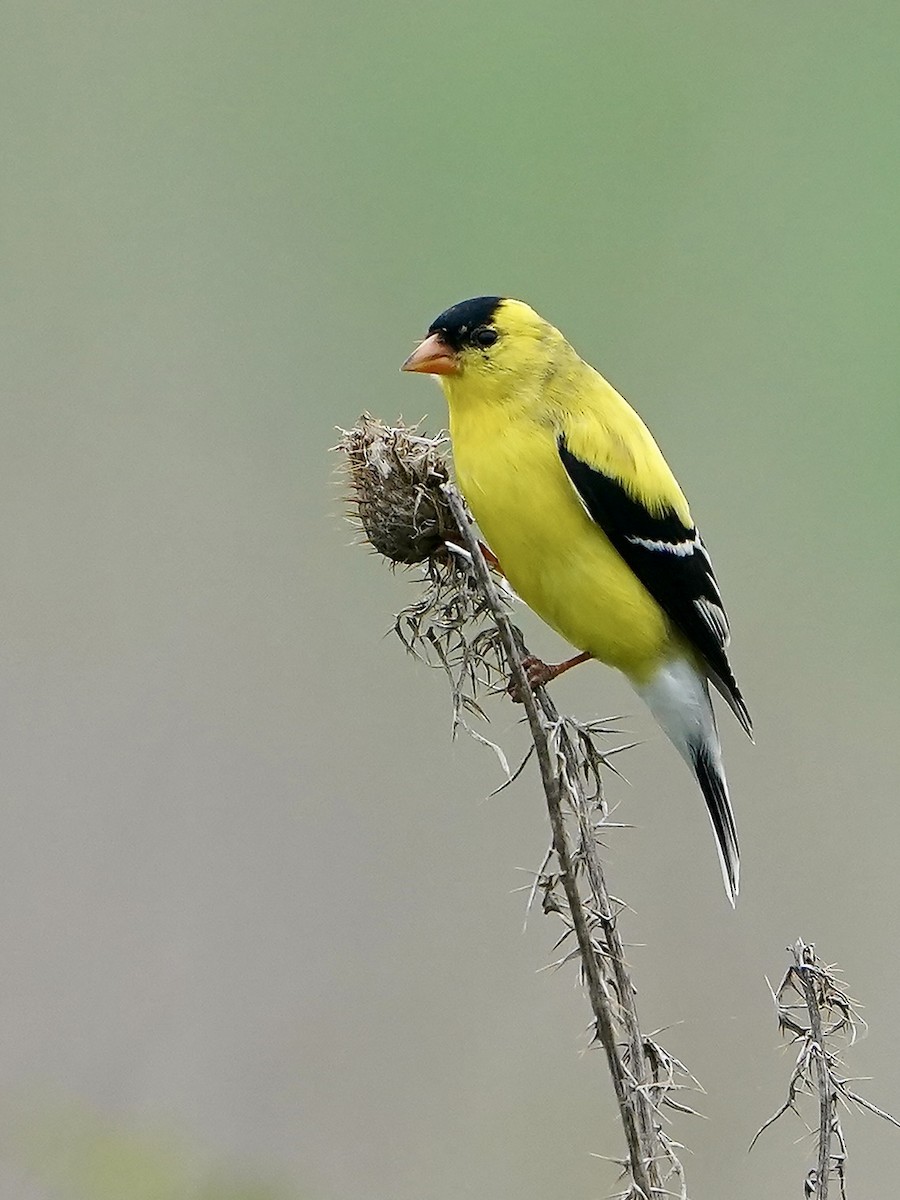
(484, 336)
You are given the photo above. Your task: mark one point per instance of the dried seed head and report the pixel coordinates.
(395, 480)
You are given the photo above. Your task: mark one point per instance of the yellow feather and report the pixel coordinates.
(506, 413)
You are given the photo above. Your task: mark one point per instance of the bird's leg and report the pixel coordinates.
(539, 673)
(490, 557)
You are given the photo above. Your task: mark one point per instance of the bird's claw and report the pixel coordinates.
(537, 673)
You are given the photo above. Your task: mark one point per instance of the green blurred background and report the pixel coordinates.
(250, 893)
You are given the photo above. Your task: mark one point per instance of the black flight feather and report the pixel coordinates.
(671, 562)
(715, 793)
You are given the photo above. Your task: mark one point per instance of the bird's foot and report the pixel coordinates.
(539, 674)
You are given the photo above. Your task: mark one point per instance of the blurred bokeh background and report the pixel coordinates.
(257, 920)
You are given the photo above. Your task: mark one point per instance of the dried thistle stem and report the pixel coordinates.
(636, 1108)
(411, 513)
(815, 1008)
(805, 966)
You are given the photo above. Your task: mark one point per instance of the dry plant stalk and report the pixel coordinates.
(461, 623)
(818, 1013)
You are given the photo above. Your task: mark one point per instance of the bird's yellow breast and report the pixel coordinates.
(553, 554)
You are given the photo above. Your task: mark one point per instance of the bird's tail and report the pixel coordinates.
(678, 696)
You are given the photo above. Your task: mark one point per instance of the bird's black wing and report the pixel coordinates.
(670, 560)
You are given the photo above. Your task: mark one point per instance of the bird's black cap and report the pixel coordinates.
(456, 324)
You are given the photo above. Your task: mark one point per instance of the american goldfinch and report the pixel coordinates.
(589, 524)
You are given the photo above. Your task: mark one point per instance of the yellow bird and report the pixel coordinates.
(588, 524)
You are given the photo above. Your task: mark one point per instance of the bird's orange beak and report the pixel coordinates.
(432, 357)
